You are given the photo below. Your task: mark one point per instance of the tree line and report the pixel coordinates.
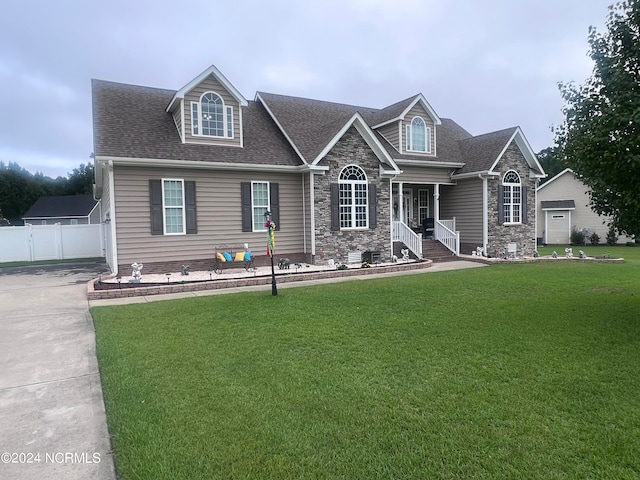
(19, 188)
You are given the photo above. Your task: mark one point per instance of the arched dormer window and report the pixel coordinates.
(418, 136)
(210, 117)
(512, 197)
(354, 205)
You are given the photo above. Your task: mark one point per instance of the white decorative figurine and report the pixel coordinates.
(137, 272)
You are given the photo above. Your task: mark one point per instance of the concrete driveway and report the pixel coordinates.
(52, 417)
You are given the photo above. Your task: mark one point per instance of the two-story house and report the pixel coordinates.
(180, 172)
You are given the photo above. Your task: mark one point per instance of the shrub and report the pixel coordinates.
(576, 236)
(612, 238)
(594, 239)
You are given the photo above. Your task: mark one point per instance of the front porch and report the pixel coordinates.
(416, 217)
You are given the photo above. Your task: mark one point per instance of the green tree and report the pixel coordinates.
(19, 189)
(552, 161)
(600, 137)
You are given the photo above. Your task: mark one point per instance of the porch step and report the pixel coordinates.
(436, 251)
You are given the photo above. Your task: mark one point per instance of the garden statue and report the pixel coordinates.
(405, 254)
(569, 252)
(554, 254)
(185, 270)
(581, 254)
(137, 272)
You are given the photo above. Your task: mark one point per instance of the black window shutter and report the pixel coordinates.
(190, 204)
(334, 190)
(373, 205)
(523, 200)
(500, 205)
(155, 201)
(274, 197)
(245, 202)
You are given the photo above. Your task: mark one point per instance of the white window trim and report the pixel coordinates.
(420, 207)
(227, 110)
(352, 184)
(260, 227)
(165, 207)
(511, 185)
(409, 135)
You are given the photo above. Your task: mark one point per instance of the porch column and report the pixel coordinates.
(436, 202)
(400, 202)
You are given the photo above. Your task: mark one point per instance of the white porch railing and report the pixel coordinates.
(402, 233)
(450, 224)
(447, 236)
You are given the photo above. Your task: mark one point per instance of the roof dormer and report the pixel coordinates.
(410, 126)
(208, 110)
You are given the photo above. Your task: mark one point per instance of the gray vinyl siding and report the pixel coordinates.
(177, 118)
(430, 175)
(392, 134)
(417, 110)
(464, 202)
(94, 216)
(218, 215)
(210, 84)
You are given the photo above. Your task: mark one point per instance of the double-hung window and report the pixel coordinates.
(418, 136)
(173, 206)
(353, 200)
(259, 204)
(210, 117)
(512, 197)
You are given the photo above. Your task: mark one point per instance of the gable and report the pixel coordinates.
(223, 125)
(418, 111)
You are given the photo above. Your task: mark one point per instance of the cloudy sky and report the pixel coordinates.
(488, 64)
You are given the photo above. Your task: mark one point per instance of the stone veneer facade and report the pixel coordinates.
(499, 236)
(351, 149)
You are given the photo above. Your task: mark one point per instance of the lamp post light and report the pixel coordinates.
(271, 227)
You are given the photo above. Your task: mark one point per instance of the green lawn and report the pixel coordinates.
(506, 371)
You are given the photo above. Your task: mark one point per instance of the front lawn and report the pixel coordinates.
(506, 371)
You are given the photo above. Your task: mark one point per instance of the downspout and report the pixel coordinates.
(535, 223)
(304, 217)
(485, 213)
(112, 224)
(391, 214)
(312, 212)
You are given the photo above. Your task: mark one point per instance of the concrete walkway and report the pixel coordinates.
(52, 418)
(437, 267)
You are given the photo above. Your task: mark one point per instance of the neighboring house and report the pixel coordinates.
(64, 209)
(563, 203)
(181, 172)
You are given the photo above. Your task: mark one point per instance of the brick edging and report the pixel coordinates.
(93, 294)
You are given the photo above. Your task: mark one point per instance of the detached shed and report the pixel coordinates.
(64, 209)
(563, 203)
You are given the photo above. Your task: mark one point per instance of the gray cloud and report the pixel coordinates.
(488, 65)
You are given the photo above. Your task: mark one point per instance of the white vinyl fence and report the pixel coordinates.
(50, 242)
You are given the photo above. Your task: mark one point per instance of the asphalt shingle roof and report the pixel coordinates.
(558, 204)
(482, 151)
(61, 206)
(131, 121)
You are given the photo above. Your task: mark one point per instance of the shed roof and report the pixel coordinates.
(61, 206)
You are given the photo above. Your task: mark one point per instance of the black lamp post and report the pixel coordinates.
(270, 247)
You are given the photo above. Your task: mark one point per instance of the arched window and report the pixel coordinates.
(353, 198)
(210, 117)
(418, 136)
(512, 197)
